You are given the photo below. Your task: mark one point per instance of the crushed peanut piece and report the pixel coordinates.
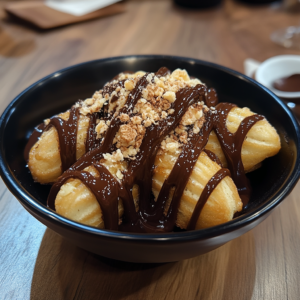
(129, 84)
(170, 96)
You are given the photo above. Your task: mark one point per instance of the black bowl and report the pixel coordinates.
(58, 91)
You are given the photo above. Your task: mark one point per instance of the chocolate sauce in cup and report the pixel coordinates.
(288, 84)
(281, 74)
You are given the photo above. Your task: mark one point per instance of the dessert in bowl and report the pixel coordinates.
(279, 173)
(149, 151)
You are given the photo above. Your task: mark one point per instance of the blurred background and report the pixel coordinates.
(41, 37)
(36, 39)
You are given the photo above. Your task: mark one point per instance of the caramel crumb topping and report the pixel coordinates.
(101, 128)
(94, 104)
(114, 157)
(191, 122)
(154, 105)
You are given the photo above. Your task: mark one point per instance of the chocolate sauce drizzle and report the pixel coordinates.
(213, 157)
(209, 188)
(231, 144)
(67, 134)
(34, 137)
(151, 216)
(91, 139)
(211, 97)
(105, 187)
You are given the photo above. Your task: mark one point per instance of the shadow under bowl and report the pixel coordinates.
(58, 91)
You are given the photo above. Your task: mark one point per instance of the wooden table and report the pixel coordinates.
(36, 263)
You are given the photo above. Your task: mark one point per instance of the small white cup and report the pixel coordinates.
(278, 67)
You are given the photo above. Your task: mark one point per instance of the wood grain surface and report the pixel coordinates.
(36, 263)
(44, 17)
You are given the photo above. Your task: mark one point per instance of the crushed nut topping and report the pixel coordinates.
(114, 157)
(101, 128)
(94, 104)
(154, 105)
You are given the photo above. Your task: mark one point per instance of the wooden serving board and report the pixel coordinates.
(44, 17)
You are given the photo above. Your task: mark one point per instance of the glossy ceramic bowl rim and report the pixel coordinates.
(26, 200)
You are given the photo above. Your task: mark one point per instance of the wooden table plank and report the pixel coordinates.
(36, 263)
(76, 274)
(20, 239)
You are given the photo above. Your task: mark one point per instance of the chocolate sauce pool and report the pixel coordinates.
(151, 217)
(288, 84)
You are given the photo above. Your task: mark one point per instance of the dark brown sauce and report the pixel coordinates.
(35, 135)
(91, 139)
(231, 144)
(211, 98)
(108, 89)
(209, 188)
(213, 157)
(163, 71)
(67, 135)
(105, 188)
(288, 84)
(151, 217)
